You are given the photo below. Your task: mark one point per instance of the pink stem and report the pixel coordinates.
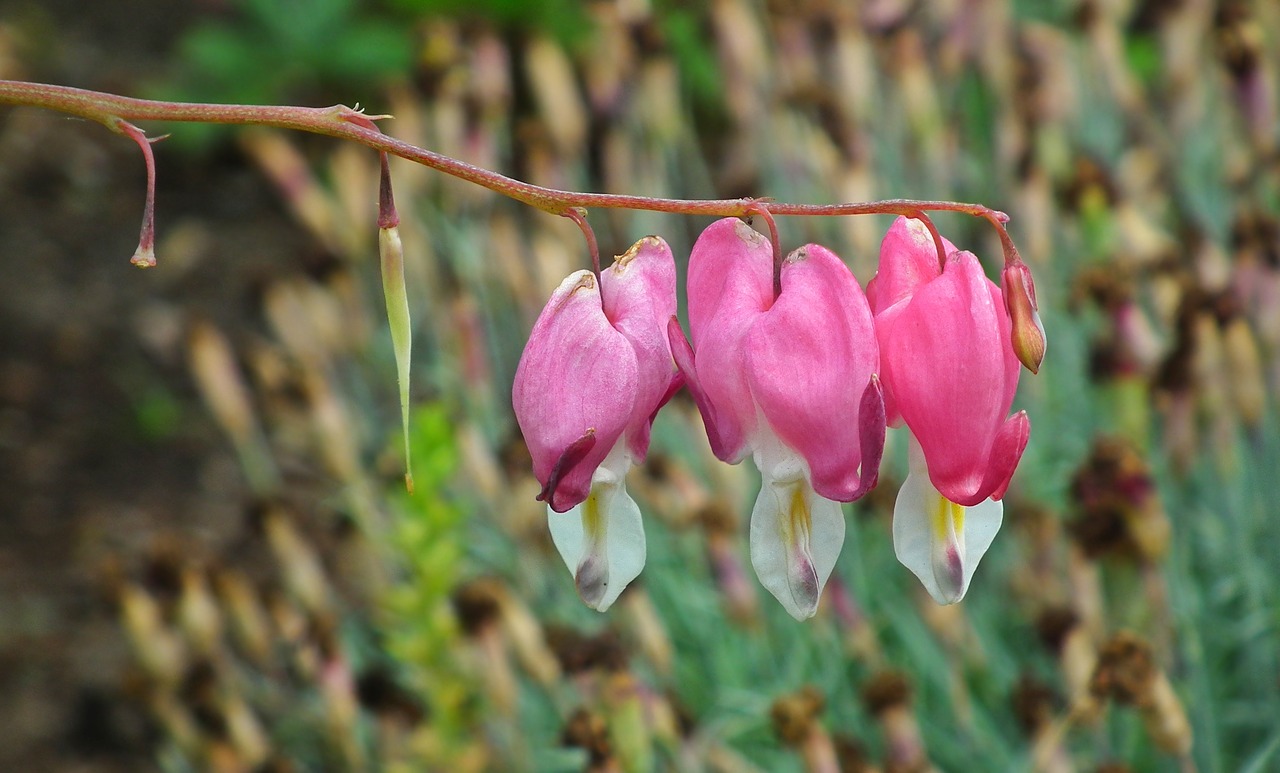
(760, 208)
(579, 216)
(937, 238)
(145, 255)
(345, 123)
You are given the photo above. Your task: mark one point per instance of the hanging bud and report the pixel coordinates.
(391, 254)
(1020, 301)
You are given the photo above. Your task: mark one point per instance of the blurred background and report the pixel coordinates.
(207, 557)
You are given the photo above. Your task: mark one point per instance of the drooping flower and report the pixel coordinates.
(950, 374)
(595, 371)
(792, 382)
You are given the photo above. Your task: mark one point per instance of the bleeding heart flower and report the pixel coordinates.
(595, 371)
(950, 374)
(791, 381)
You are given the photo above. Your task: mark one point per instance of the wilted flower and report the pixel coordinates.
(595, 371)
(950, 374)
(791, 381)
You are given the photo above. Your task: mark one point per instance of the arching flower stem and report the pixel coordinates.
(579, 216)
(937, 238)
(758, 207)
(346, 123)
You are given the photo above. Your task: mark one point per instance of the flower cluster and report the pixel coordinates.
(800, 370)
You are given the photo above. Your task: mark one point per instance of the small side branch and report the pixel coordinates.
(145, 255)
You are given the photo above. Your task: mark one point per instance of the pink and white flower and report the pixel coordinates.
(595, 371)
(950, 373)
(791, 381)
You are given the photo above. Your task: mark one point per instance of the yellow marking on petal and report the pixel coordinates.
(800, 519)
(592, 574)
(591, 518)
(948, 517)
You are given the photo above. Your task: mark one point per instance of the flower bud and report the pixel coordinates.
(1020, 301)
(391, 256)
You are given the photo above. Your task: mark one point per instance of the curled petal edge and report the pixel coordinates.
(726, 449)
(871, 433)
(571, 456)
(1006, 452)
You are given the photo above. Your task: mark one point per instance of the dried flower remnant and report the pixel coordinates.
(145, 254)
(1060, 631)
(1128, 674)
(1119, 508)
(588, 731)
(887, 696)
(1035, 706)
(795, 721)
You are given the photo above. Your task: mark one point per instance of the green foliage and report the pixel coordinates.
(565, 20)
(269, 52)
(428, 535)
(699, 71)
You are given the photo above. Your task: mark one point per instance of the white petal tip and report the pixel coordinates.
(806, 589)
(602, 540)
(796, 537)
(949, 576)
(941, 543)
(592, 581)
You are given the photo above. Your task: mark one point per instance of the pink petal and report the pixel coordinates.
(730, 284)
(1005, 455)
(731, 265)
(576, 378)
(809, 360)
(884, 324)
(639, 298)
(945, 360)
(908, 258)
(727, 439)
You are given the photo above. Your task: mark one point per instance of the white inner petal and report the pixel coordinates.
(940, 541)
(602, 539)
(796, 535)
